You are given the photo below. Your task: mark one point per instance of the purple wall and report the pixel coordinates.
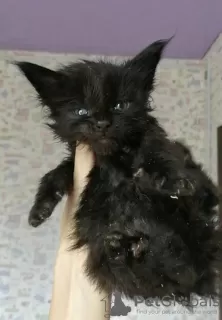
(119, 27)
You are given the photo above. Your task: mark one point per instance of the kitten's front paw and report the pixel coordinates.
(38, 215)
(179, 186)
(121, 247)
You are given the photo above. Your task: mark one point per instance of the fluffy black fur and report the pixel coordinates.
(146, 214)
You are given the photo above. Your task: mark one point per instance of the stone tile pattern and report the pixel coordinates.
(28, 151)
(215, 104)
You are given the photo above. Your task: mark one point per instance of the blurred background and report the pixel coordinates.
(187, 99)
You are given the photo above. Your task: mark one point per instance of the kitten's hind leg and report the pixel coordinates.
(52, 187)
(121, 246)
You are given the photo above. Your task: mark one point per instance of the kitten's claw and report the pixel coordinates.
(139, 248)
(139, 173)
(159, 183)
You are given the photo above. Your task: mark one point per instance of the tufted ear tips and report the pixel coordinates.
(146, 61)
(45, 81)
(151, 55)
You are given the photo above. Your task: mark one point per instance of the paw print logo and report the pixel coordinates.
(119, 308)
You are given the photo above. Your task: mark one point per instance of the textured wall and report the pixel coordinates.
(214, 88)
(27, 151)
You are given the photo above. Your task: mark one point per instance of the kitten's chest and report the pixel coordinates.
(111, 177)
(109, 181)
(117, 172)
(107, 188)
(110, 187)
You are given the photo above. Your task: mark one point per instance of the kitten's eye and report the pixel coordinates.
(81, 112)
(120, 106)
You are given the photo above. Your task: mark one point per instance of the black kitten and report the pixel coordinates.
(141, 239)
(105, 105)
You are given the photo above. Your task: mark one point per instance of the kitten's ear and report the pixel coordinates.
(45, 81)
(147, 60)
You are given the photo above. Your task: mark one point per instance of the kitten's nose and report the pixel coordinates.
(102, 124)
